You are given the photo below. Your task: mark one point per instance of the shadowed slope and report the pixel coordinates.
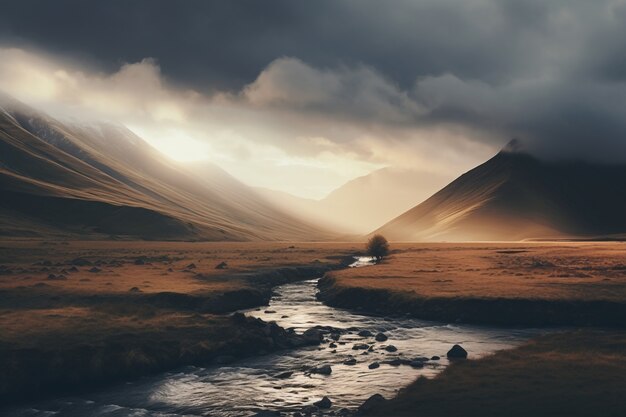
(517, 196)
(46, 165)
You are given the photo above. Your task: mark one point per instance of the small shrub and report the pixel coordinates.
(377, 247)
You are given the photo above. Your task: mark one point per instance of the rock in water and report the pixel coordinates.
(381, 337)
(374, 365)
(457, 352)
(365, 333)
(221, 265)
(323, 370)
(268, 413)
(360, 346)
(391, 348)
(350, 361)
(323, 403)
(284, 375)
(313, 335)
(372, 402)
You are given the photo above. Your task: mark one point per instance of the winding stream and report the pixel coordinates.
(250, 385)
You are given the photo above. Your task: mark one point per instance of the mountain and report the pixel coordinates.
(101, 179)
(516, 196)
(364, 202)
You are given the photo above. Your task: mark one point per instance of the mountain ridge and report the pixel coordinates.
(110, 166)
(515, 196)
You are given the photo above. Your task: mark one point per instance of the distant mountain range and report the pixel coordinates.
(364, 202)
(102, 180)
(517, 196)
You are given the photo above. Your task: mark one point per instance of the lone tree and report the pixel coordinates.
(377, 247)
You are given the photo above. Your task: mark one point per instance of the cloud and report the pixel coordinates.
(357, 93)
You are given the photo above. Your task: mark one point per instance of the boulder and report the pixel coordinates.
(373, 365)
(391, 348)
(350, 361)
(365, 333)
(322, 370)
(268, 413)
(360, 346)
(457, 352)
(313, 336)
(381, 337)
(372, 402)
(435, 358)
(323, 403)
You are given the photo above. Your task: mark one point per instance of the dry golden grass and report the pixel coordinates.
(165, 268)
(548, 271)
(33, 306)
(571, 374)
(90, 327)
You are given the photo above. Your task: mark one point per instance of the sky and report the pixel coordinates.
(302, 96)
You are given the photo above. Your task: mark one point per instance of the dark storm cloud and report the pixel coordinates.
(551, 72)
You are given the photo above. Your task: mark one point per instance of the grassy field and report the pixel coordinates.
(512, 283)
(571, 374)
(77, 314)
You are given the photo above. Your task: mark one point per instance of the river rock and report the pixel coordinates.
(373, 365)
(335, 336)
(381, 337)
(309, 409)
(457, 352)
(350, 361)
(221, 265)
(268, 413)
(323, 403)
(391, 348)
(365, 333)
(372, 402)
(284, 375)
(360, 346)
(322, 370)
(416, 364)
(313, 335)
(435, 358)
(332, 345)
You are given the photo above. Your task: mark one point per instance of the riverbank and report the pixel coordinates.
(530, 284)
(77, 315)
(578, 373)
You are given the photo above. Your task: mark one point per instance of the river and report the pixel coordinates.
(250, 385)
